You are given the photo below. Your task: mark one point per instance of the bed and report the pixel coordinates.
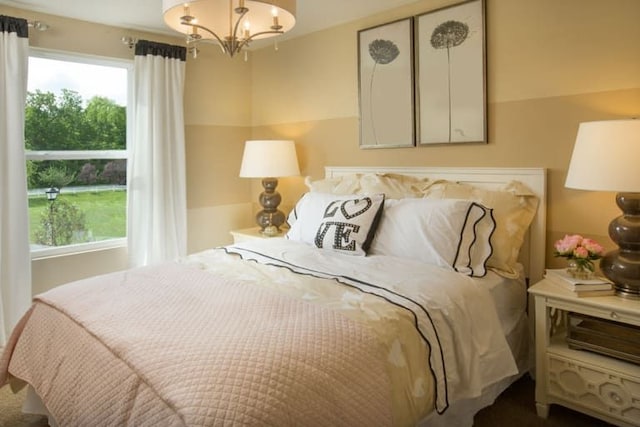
(364, 314)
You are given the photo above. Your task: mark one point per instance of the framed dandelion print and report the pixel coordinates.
(385, 78)
(450, 75)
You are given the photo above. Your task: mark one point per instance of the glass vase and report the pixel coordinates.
(579, 271)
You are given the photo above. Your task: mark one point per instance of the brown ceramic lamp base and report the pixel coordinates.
(270, 199)
(622, 266)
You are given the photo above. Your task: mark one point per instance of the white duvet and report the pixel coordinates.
(455, 314)
(400, 339)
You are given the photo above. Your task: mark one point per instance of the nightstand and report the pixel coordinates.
(251, 233)
(595, 384)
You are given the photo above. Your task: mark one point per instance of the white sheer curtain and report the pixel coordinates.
(157, 206)
(15, 259)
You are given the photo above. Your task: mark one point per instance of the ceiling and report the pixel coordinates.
(146, 15)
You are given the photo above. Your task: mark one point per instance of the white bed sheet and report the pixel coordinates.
(509, 297)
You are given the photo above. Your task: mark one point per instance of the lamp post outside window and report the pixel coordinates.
(52, 194)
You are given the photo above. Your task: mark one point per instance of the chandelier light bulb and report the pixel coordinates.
(247, 28)
(276, 24)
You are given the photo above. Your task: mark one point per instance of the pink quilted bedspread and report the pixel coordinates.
(173, 346)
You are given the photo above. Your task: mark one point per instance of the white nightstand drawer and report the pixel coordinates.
(595, 387)
(583, 306)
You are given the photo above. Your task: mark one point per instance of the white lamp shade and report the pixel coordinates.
(214, 14)
(606, 157)
(269, 159)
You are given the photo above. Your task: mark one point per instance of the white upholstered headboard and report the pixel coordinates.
(532, 254)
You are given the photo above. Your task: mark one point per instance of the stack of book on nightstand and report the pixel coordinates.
(594, 287)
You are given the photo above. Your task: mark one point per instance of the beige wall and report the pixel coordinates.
(550, 65)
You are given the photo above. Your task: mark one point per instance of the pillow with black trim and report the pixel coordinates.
(514, 207)
(345, 224)
(454, 234)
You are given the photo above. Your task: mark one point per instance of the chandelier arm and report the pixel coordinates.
(210, 40)
(245, 42)
(218, 39)
(265, 32)
(235, 27)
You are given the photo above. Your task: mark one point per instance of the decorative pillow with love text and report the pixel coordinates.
(340, 223)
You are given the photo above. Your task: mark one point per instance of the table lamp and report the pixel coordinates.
(606, 157)
(269, 160)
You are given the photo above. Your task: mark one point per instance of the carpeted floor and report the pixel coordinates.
(515, 407)
(11, 411)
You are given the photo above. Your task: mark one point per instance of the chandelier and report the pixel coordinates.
(232, 24)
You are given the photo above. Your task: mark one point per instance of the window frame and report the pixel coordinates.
(42, 155)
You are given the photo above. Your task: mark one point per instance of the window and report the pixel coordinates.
(76, 150)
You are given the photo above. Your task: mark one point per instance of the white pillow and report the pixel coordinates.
(450, 233)
(293, 214)
(514, 207)
(341, 223)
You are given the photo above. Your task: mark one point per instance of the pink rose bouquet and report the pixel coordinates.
(580, 250)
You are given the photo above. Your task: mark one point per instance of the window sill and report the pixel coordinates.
(50, 252)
